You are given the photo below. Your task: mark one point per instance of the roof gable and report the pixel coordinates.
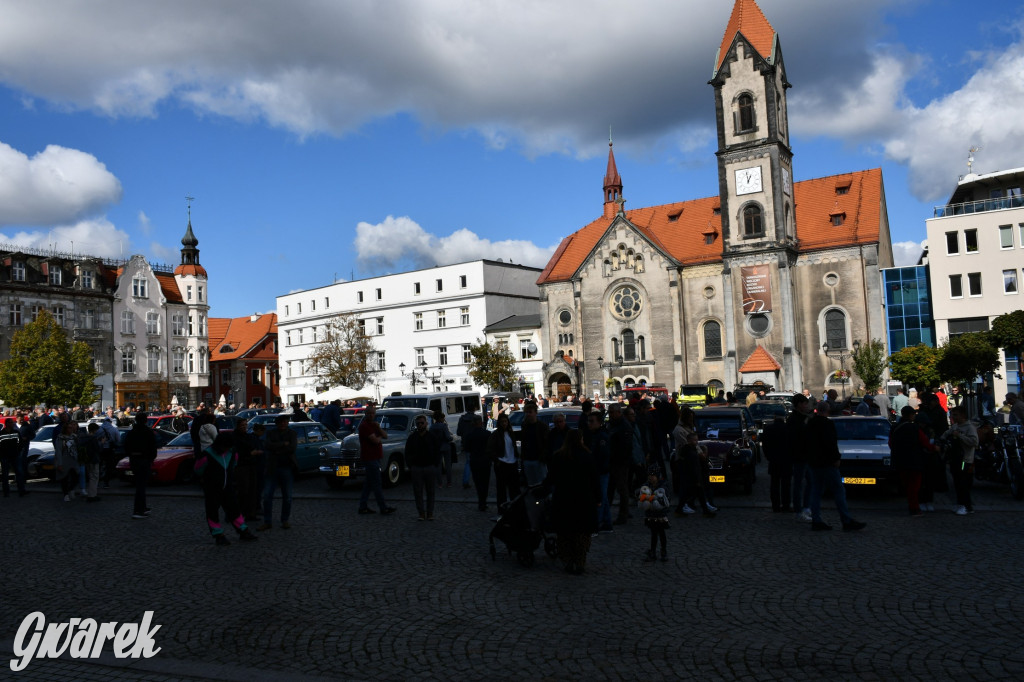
(239, 334)
(760, 361)
(748, 20)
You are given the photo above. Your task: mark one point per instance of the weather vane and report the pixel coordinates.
(188, 202)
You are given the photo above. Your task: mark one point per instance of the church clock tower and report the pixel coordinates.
(755, 178)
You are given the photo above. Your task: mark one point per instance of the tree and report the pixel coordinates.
(915, 366)
(869, 363)
(45, 368)
(1007, 332)
(967, 356)
(343, 356)
(493, 366)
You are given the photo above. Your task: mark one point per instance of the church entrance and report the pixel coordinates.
(561, 387)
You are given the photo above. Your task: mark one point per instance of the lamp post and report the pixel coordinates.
(841, 355)
(413, 379)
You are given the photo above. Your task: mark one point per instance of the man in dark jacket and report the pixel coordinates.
(796, 425)
(330, 416)
(26, 432)
(909, 445)
(10, 445)
(533, 445)
(780, 464)
(140, 446)
(822, 445)
(620, 462)
(465, 425)
(595, 439)
(282, 443)
(423, 454)
(474, 447)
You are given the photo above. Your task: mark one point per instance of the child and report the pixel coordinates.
(216, 469)
(655, 505)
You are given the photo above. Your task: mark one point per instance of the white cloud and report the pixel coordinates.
(56, 185)
(145, 226)
(97, 237)
(401, 241)
(907, 253)
(162, 253)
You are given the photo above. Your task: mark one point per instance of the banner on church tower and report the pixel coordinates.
(757, 289)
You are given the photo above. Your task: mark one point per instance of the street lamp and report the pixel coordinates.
(841, 355)
(413, 379)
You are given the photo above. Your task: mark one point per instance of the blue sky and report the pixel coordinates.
(327, 140)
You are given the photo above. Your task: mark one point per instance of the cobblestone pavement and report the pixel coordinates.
(749, 595)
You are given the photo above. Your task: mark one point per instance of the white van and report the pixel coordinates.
(454, 404)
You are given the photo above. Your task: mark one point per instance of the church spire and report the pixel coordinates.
(748, 20)
(612, 183)
(189, 250)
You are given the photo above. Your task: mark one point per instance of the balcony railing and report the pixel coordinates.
(982, 206)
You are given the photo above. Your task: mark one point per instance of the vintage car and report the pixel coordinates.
(864, 457)
(728, 434)
(339, 467)
(41, 465)
(173, 464)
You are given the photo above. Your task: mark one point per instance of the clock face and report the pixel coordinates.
(748, 180)
(787, 182)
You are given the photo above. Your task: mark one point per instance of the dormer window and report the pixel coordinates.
(18, 271)
(673, 217)
(226, 348)
(838, 218)
(56, 276)
(87, 279)
(140, 288)
(842, 190)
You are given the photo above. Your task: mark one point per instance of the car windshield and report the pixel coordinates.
(767, 409)
(184, 440)
(405, 401)
(45, 433)
(694, 391)
(393, 422)
(572, 419)
(862, 429)
(720, 427)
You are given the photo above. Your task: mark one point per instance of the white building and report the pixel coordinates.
(521, 334)
(975, 255)
(422, 323)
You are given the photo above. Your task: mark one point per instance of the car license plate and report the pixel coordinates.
(859, 481)
(342, 471)
(716, 479)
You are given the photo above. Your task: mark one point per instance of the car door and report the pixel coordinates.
(302, 445)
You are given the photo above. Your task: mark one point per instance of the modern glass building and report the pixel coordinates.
(908, 307)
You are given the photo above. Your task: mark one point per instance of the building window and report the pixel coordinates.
(378, 294)
(88, 319)
(464, 316)
(87, 279)
(153, 361)
(1006, 236)
(1010, 281)
(140, 288)
(416, 288)
(952, 244)
(462, 281)
(359, 297)
(188, 292)
(838, 219)
(418, 321)
(956, 286)
(971, 241)
(835, 329)
(127, 322)
(18, 271)
(202, 324)
(301, 335)
(34, 313)
(178, 324)
(1020, 228)
(288, 338)
(440, 286)
(199, 291)
(178, 357)
(298, 308)
(380, 326)
(255, 377)
(58, 314)
(381, 363)
(441, 323)
(286, 311)
(967, 325)
(191, 361)
(327, 303)
(974, 283)
(628, 345)
(712, 339)
(626, 302)
(152, 323)
(128, 360)
(744, 113)
(191, 325)
(14, 312)
(312, 304)
(419, 358)
(467, 355)
(442, 355)
(56, 276)
(524, 349)
(752, 223)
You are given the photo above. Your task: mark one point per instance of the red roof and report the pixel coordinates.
(196, 270)
(241, 334)
(679, 229)
(747, 19)
(760, 361)
(170, 287)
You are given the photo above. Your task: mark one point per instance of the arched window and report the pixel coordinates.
(571, 339)
(745, 113)
(615, 349)
(628, 345)
(641, 344)
(712, 339)
(639, 267)
(752, 223)
(835, 329)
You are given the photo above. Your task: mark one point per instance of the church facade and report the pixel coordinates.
(746, 287)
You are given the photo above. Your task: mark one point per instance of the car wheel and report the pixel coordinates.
(392, 472)
(335, 483)
(185, 472)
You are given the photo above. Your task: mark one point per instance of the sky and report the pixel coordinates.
(327, 140)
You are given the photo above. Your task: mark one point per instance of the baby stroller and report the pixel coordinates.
(522, 524)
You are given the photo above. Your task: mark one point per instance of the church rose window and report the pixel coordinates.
(626, 302)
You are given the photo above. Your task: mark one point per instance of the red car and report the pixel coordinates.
(173, 464)
(164, 421)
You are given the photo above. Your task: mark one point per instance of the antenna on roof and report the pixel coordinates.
(970, 158)
(609, 136)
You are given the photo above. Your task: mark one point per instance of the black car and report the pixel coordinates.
(728, 434)
(345, 465)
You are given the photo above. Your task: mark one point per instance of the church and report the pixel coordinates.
(765, 284)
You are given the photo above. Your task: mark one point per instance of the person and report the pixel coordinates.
(693, 458)
(423, 454)
(863, 408)
(655, 504)
(504, 453)
(558, 431)
(207, 431)
(637, 416)
(10, 446)
(780, 464)
(987, 403)
(796, 427)
(899, 401)
(248, 458)
(943, 399)
(960, 441)
(297, 415)
(909, 446)
(533, 445)
(1016, 408)
(466, 421)
(751, 398)
(883, 403)
(823, 456)
(89, 457)
(216, 468)
(26, 432)
(444, 439)
(620, 462)
(65, 454)
(913, 399)
(330, 416)
(598, 443)
(932, 419)
(956, 398)
(179, 424)
(316, 412)
(140, 446)
(371, 452)
(575, 492)
(110, 438)
(474, 447)
(282, 443)
(683, 428)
